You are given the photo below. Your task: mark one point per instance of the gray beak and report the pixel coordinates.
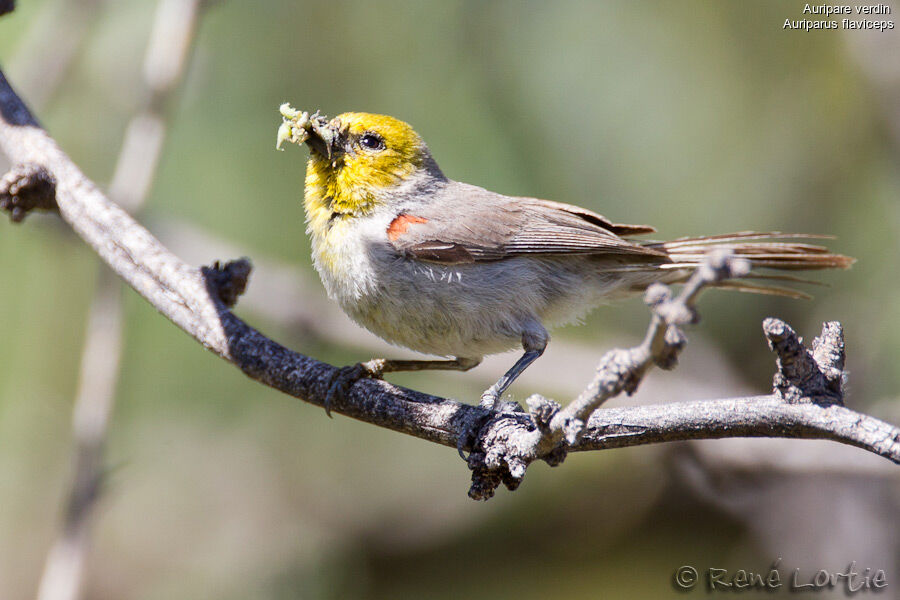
(323, 139)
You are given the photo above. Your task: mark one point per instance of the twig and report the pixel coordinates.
(183, 295)
(623, 370)
(64, 569)
(165, 63)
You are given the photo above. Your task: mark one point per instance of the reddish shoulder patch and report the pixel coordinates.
(401, 224)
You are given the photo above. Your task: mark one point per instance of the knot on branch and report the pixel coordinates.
(803, 375)
(542, 411)
(508, 441)
(227, 282)
(504, 448)
(27, 187)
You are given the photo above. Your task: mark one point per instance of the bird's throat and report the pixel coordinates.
(330, 192)
(350, 187)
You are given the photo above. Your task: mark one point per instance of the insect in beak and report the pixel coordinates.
(323, 138)
(298, 127)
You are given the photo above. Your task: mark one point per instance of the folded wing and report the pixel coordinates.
(472, 224)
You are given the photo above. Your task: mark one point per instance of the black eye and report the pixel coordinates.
(372, 141)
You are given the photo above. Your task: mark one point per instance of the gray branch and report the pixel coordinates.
(505, 443)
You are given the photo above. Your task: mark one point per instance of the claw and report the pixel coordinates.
(466, 438)
(461, 443)
(469, 435)
(489, 398)
(490, 401)
(345, 377)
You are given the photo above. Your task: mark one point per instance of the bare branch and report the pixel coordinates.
(65, 565)
(755, 416)
(185, 296)
(804, 374)
(165, 63)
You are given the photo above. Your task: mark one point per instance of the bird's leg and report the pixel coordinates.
(534, 343)
(457, 364)
(491, 395)
(345, 377)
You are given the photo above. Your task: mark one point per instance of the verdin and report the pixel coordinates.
(451, 269)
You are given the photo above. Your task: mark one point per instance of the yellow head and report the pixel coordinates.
(355, 161)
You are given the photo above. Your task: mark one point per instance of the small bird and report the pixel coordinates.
(454, 270)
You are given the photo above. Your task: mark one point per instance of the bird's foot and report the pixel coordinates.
(345, 377)
(490, 400)
(25, 188)
(468, 436)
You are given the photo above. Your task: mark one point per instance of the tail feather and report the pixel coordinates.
(687, 253)
(791, 278)
(770, 290)
(743, 236)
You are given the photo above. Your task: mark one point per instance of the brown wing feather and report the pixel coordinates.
(621, 229)
(440, 252)
(468, 223)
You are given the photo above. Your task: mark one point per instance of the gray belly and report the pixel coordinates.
(474, 309)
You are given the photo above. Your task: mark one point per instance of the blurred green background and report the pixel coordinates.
(694, 116)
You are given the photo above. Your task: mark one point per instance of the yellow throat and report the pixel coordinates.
(356, 178)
